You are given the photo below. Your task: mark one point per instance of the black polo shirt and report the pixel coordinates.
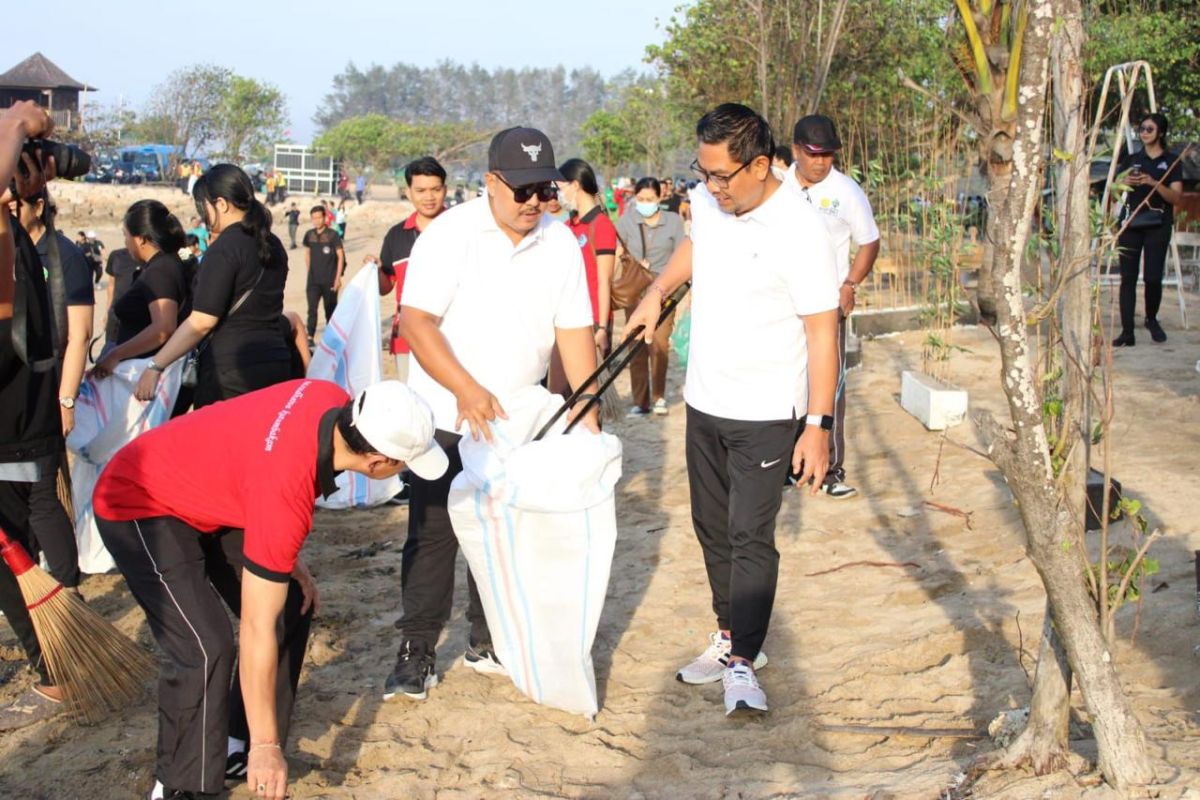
(1155, 168)
(231, 267)
(323, 249)
(163, 278)
(77, 273)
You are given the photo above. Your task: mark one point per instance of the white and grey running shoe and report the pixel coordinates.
(839, 490)
(483, 659)
(742, 692)
(710, 665)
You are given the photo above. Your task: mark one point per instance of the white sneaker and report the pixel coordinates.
(483, 659)
(839, 490)
(660, 407)
(742, 692)
(710, 665)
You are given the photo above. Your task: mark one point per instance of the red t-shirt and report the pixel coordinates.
(250, 462)
(597, 237)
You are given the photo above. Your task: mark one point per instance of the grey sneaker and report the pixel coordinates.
(742, 692)
(483, 659)
(839, 490)
(710, 665)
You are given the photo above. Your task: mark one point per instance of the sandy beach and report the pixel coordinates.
(940, 632)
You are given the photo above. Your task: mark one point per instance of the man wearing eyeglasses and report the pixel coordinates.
(848, 216)
(492, 286)
(762, 363)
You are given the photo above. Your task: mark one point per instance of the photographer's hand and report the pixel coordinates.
(21, 121)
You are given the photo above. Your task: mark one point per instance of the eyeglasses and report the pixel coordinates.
(1147, 129)
(545, 191)
(720, 181)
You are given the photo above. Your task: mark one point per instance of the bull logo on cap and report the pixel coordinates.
(532, 150)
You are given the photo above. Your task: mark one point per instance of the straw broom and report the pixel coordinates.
(97, 667)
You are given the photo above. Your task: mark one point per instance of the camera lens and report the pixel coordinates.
(70, 162)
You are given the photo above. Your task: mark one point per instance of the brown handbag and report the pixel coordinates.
(631, 282)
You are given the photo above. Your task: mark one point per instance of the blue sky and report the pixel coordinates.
(127, 46)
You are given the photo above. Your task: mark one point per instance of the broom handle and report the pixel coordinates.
(633, 344)
(15, 556)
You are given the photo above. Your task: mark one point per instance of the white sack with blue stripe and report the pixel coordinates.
(537, 523)
(108, 417)
(349, 354)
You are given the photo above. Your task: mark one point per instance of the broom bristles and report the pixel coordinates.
(98, 668)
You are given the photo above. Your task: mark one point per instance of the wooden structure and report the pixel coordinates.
(39, 79)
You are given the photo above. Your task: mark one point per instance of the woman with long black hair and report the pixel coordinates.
(1155, 188)
(238, 297)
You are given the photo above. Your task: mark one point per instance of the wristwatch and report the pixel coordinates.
(152, 366)
(66, 402)
(824, 420)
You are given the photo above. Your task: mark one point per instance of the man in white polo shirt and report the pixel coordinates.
(847, 214)
(492, 286)
(763, 361)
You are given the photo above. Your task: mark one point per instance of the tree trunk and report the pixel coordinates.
(1053, 525)
(1043, 742)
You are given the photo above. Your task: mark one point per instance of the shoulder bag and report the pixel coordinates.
(632, 278)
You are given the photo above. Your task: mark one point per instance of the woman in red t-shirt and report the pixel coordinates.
(579, 194)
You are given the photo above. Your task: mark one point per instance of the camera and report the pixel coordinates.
(70, 162)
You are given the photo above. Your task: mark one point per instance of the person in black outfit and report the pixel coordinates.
(293, 223)
(49, 523)
(30, 425)
(326, 260)
(149, 312)
(237, 299)
(1155, 188)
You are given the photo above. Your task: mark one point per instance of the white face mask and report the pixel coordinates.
(567, 202)
(647, 209)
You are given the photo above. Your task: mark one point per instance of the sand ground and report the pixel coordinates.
(944, 640)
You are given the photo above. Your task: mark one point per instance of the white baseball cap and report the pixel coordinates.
(91, 234)
(395, 421)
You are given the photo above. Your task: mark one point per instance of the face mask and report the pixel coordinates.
(647, 209)
(562, 216)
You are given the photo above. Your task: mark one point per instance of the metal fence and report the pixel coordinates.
(307, 172)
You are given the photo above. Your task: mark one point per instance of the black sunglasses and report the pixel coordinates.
(545, 191)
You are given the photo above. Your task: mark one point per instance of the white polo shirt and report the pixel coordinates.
(499, 302)
(846, 210)
(753, 278)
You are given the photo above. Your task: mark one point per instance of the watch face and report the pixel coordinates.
(66, 402)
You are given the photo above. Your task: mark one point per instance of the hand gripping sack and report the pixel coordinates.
(108, 417)
(537, 523)
(349, 354)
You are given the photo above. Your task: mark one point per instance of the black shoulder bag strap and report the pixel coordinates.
(232, 309)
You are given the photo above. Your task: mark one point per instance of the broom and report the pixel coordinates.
(97, 667)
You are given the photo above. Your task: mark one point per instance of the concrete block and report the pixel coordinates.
(937, 405)
(854, 353)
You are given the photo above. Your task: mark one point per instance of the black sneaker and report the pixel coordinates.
(1156, 331)
(1124, 340)
(413, 676)
(235, 766)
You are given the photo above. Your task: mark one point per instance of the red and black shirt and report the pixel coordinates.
(255, 462)
(597, 236)
(393, 261)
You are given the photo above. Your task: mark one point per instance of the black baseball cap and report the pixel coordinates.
(522, 156)
(816, 134)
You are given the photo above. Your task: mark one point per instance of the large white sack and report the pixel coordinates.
(107, 417)
(349, 354)
(537, 524)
